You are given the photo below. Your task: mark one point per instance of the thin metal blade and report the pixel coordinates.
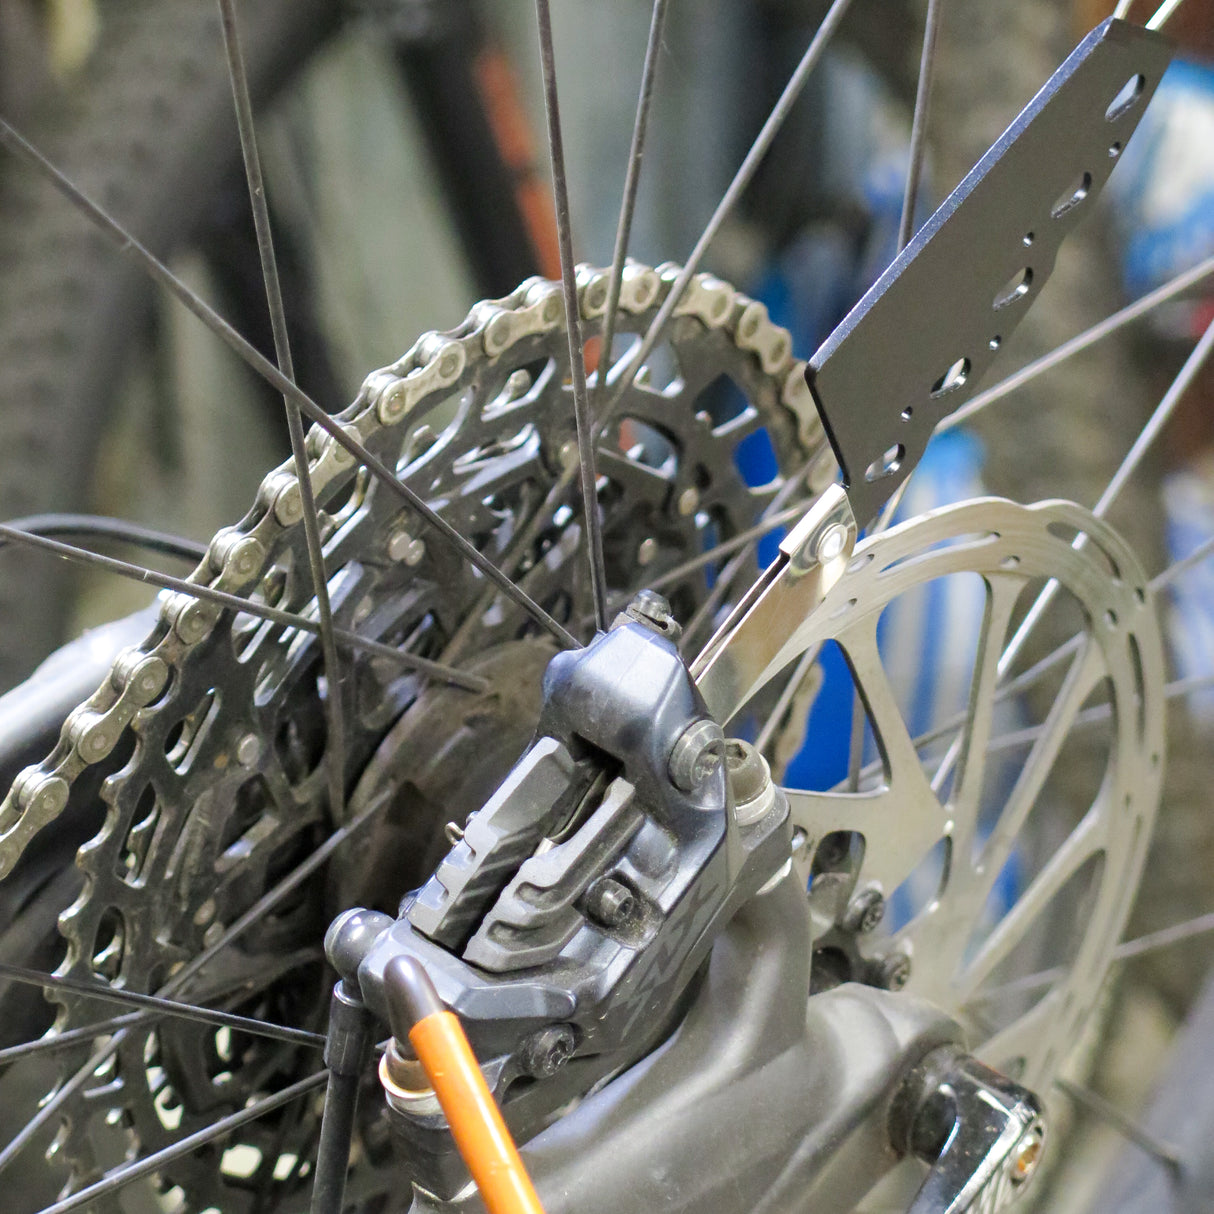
(915, 348)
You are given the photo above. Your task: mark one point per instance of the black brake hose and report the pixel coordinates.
(100, 526)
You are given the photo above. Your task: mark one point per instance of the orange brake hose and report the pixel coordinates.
(476, 1122)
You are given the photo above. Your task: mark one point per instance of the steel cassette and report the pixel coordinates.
(210, 735)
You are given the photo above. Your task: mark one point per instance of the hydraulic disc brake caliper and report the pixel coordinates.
(570, 919)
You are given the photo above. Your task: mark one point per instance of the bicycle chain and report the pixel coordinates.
(201, 712)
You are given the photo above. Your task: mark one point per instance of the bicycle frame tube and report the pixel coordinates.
(759, 1101)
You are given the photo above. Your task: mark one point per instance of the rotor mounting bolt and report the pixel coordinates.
(546, 1051)
(831, 543)
(406, 548)
(895, 972)
(867, 909)
(689, 501)
(647, 550)
(609, 901)
(697, 754)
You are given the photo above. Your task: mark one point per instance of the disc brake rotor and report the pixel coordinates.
(212, 732)
(1005, 878)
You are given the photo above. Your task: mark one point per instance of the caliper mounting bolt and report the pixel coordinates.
(698, 753)
(609, 901)
(546, 1051)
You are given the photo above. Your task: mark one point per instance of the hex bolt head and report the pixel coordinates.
(546, 1051)
(698, 753)
(248, 750)
(867, 909)
(895, 972)
(609, 901)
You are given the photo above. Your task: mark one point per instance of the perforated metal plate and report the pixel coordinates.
(916, 346)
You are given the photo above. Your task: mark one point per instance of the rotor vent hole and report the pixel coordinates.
(1126, 98)
(886, 464)
(1072, 196)
(955, 377)
(1077, 538)
(1047, 940)
(827, 719)
(918, 892)
(1016, 287)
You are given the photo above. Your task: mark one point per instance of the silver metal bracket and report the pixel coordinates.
(762, 633)
(982, 1134)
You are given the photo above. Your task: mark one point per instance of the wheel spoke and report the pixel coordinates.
(787, 698)
(725, 579)
(334, 713)
(918, 142)
(288, 619)
(1174, 570)
(707, 557)
(1162, 13)
(632, 181)
(625, 371)
(1165, 937)
(1126, 469)
(1105, 328)
(127, 244)
(573, 324)
(1162, 1152)
(168, 1007)
(129, 1173)
(73, 1037)
(1019, 1039)
(1083, 842)
(1083, 675)
(1002, 593)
